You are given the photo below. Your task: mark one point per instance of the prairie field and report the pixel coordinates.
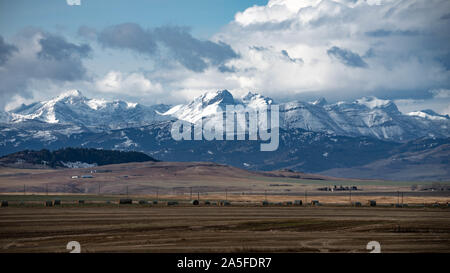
(185, 228)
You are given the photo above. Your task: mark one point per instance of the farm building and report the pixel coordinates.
(372, 203)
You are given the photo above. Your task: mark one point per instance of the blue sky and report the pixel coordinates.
(204, 16)
(169, 51)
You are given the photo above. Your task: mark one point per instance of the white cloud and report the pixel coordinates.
(73, 2)
(132, 84)
(400, 41)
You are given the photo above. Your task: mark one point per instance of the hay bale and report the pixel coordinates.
(57, 202)
(4, 203)
(195, 202)
(172, 203)
(125, 201)
(372, 203)
(155, 202)
(298, 202)
(143, 202)
(49, 203)
(207, 203)
(81, 202)
(265, 203)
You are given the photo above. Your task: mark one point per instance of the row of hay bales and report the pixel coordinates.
(287, 203)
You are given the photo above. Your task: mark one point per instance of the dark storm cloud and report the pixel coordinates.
(6, 50)
(192, 53)
(55, 59)
(346, 57)
(56, 47)
(128, 36)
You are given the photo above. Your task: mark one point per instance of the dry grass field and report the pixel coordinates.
(101, 225)
(223, 229)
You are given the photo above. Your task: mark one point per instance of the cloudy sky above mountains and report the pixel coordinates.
(173, 50)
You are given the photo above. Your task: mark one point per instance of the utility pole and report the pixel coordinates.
(198, 196)
(398, 197)
(402, 198)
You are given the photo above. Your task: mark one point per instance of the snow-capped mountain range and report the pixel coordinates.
(368, 116)
(314, 136)
(73, 108)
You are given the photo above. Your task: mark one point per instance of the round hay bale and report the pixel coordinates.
(57, 202)
(4, 203)
(49, 203)
(125, 201)
(195, 202)
(372, 203)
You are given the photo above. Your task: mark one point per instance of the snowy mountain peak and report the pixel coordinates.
(428, 114)
(223, 97)
(70, 94)
(71, 107)
(256, 100)
(320, 102)
(374, 102)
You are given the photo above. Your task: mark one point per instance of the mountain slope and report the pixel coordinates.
(430, 164)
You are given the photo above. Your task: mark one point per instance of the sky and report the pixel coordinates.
(170, 51)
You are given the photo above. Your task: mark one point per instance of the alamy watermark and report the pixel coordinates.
(235, 123)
